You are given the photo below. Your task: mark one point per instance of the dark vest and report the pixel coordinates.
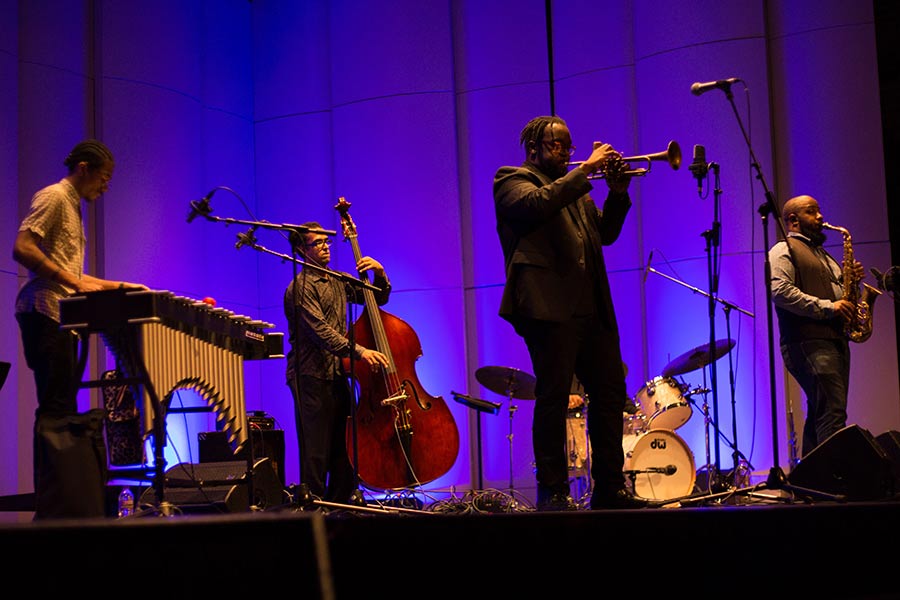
(813, 278)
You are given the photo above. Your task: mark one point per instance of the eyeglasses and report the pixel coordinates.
(557, 146)
(322, 243)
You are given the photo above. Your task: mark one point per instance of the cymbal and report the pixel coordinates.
(697, 358)
(508, 381)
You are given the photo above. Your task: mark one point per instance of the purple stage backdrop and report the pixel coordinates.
(406, 109)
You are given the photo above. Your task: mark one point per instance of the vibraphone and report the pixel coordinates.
(163, 343)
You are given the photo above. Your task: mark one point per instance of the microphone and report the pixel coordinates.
(722, 84)
(477, 403)
(201, 207)
(695, 391)
(647, 268)
(246, 239)
(667, 470)
(699, 167)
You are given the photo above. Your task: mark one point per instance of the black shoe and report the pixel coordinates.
(618, 499)
(557, 502)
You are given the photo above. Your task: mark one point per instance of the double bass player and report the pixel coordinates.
(315, 304)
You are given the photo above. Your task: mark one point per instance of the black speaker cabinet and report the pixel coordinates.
(220, 487)
(850, 463)
(890, 443)
(265, 443)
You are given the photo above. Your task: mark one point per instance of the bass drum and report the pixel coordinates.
(658, 465)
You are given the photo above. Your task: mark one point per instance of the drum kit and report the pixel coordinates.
(659, 464)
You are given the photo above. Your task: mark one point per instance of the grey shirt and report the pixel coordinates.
(786, 294)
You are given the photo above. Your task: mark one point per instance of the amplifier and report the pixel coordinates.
(267, 443)
(259, 419)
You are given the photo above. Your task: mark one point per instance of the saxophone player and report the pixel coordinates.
(808, 293)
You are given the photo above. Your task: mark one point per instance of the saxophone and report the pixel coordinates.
(860, 328)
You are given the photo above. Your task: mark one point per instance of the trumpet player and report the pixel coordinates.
(807, 289)
(558, 300)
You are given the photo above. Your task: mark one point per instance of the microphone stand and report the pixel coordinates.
(713, 241)
(712, 237)
(776, 479)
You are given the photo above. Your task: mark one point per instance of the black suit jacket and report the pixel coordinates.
(542, 245)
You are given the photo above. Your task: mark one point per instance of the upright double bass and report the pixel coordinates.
(404, 437)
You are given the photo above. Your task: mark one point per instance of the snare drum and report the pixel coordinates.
(658, 465)
(662, 400)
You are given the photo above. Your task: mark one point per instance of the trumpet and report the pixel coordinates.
(672, 155)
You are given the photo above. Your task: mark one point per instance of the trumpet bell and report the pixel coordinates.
(672, 155)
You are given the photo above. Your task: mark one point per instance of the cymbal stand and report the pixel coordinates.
(710, 484)
(712, 471)
(512, 412)
(734, 453)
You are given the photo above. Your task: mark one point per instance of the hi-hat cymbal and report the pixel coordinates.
(697, 358)
(508, 381)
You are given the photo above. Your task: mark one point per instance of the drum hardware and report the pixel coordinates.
(714, 481)
(512, 383)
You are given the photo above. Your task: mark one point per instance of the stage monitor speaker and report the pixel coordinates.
(220, 487)
(849, 463)
(265, 443)
(890, 443)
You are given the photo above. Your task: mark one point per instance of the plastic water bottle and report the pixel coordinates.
(126, 502)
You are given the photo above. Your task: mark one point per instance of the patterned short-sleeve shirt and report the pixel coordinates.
(55, 216)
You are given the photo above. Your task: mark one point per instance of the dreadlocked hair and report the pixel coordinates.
(94, 152)
(534, 130)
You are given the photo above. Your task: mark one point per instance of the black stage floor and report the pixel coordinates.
(757, 545)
